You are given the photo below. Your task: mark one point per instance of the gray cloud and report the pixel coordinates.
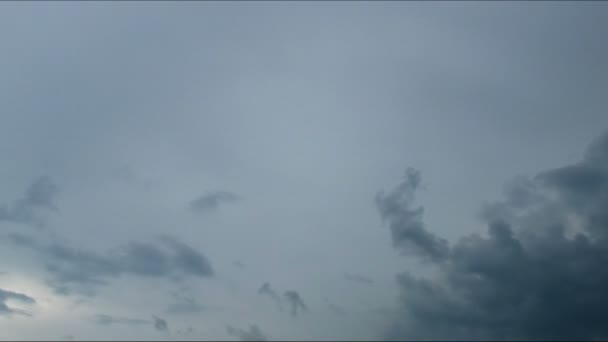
(160, 324)
(267, 290)
(358, 278)
(407, 228)
(82, 271)
(295, 301)
(536, 275)
(8, 295)
(211, 201)
(253, 334)
(104, 319)
(38, 196)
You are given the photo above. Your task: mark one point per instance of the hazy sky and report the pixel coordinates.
(240, 170)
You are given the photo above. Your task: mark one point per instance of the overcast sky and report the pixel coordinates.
(303, 170)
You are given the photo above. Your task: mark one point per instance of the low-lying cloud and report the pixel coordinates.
(540, 273)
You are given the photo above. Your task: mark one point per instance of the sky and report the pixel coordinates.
(303, 170)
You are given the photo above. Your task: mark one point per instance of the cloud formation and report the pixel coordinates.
(295, 301)
(82, 271)
(212, 200)
(253, 334)
(267, 290)
(405, 221)
(160, 324)
(39, 196)
(538, 274)
(8, 295)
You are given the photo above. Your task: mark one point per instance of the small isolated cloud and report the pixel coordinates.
(253, 334)
(267, 290)
(360, 279)
(160, 324)
(295, 301)
(539, 273)
(20, 297)
(212, 201)
(39, 196)
(77, 270)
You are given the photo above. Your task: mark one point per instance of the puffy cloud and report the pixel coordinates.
(539, 273)
(253, 334)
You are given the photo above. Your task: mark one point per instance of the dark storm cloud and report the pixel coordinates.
(253, 334)
(267, 290)
(295, 301)
(103, 319)
(38, 196)
(357, 278)
(405, 221)
(82, 271)
(211, 201)
(160, 324)
(8, 295)
(536, 275)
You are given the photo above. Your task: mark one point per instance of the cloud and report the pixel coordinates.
(267, 290)
(82, 271)
(160, 324)
(103, 319)
(211, 201)
(253, 334)
(38, 196)
(357, 278)
(539, 273)
(9, 295)
(296, 302)
(407, 228)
